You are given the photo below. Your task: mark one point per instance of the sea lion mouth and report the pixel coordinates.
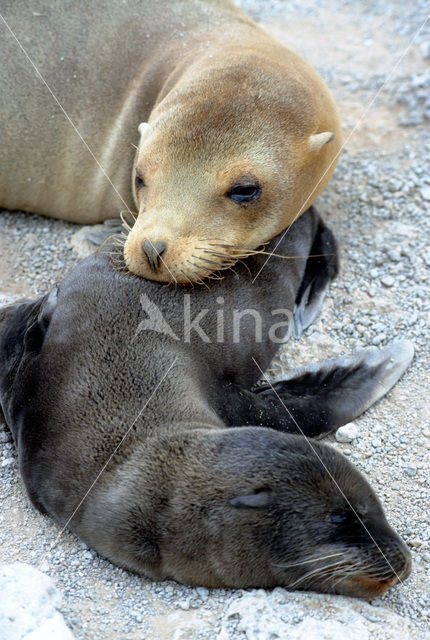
(187, 261)
(349, 573)
(373, 586)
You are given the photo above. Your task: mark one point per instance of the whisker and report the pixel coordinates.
(205, 259)
(252, 252)
(199, 280)
(245, 265)
(311, 559)
(210, 274)
(314, 573)
(346, 574)
(187, 278)
(122, 215)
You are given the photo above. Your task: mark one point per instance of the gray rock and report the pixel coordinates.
(5, 436)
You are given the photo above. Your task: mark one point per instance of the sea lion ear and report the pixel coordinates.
(142, 129)
(257, 500)
(318, 140)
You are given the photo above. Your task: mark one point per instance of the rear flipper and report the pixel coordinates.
(318, 398)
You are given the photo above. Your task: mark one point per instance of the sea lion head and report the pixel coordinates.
(332, 534)
(228, 159)
(314, 519)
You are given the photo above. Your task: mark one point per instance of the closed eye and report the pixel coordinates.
(139, 182)
(241, 194)
(338, 516)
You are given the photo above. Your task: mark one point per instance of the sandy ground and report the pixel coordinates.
(377, 205)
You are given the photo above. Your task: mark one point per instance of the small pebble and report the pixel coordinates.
(411, 470)
(425, 50)
(347, 433)
(203, 593)
(388, 281)
(425, 192)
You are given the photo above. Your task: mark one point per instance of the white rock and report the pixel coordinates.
(425, 50)
(265, 616)
(347, 433)
(28, 605)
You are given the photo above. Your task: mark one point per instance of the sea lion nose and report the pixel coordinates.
(153, 251)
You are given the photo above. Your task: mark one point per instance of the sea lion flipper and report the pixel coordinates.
(321, 268)
(319, 397)
(23, 326)
(98, 233)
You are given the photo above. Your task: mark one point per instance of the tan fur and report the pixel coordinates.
(225, 102)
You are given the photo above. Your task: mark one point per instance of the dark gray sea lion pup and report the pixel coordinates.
(159, 454)
(205, 126)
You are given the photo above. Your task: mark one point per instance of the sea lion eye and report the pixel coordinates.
(338, 516)
(244, 193)
(139, 182)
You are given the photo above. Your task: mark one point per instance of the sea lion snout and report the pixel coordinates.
(387, 563)
(153, 252)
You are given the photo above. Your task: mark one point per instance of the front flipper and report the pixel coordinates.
(97, 234)
(321, 268)
(23, 328)
(322, 396)
(90, 237)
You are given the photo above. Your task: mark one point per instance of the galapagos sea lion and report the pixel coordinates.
(158, 453)
(237, 136)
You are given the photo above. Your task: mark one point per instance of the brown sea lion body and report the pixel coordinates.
(229, 109)
(154, 446)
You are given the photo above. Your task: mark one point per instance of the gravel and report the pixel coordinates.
(378, 206)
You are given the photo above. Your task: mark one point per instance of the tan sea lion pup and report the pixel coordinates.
(239, 135)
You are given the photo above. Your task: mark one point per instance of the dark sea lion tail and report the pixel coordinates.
(319, 397)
